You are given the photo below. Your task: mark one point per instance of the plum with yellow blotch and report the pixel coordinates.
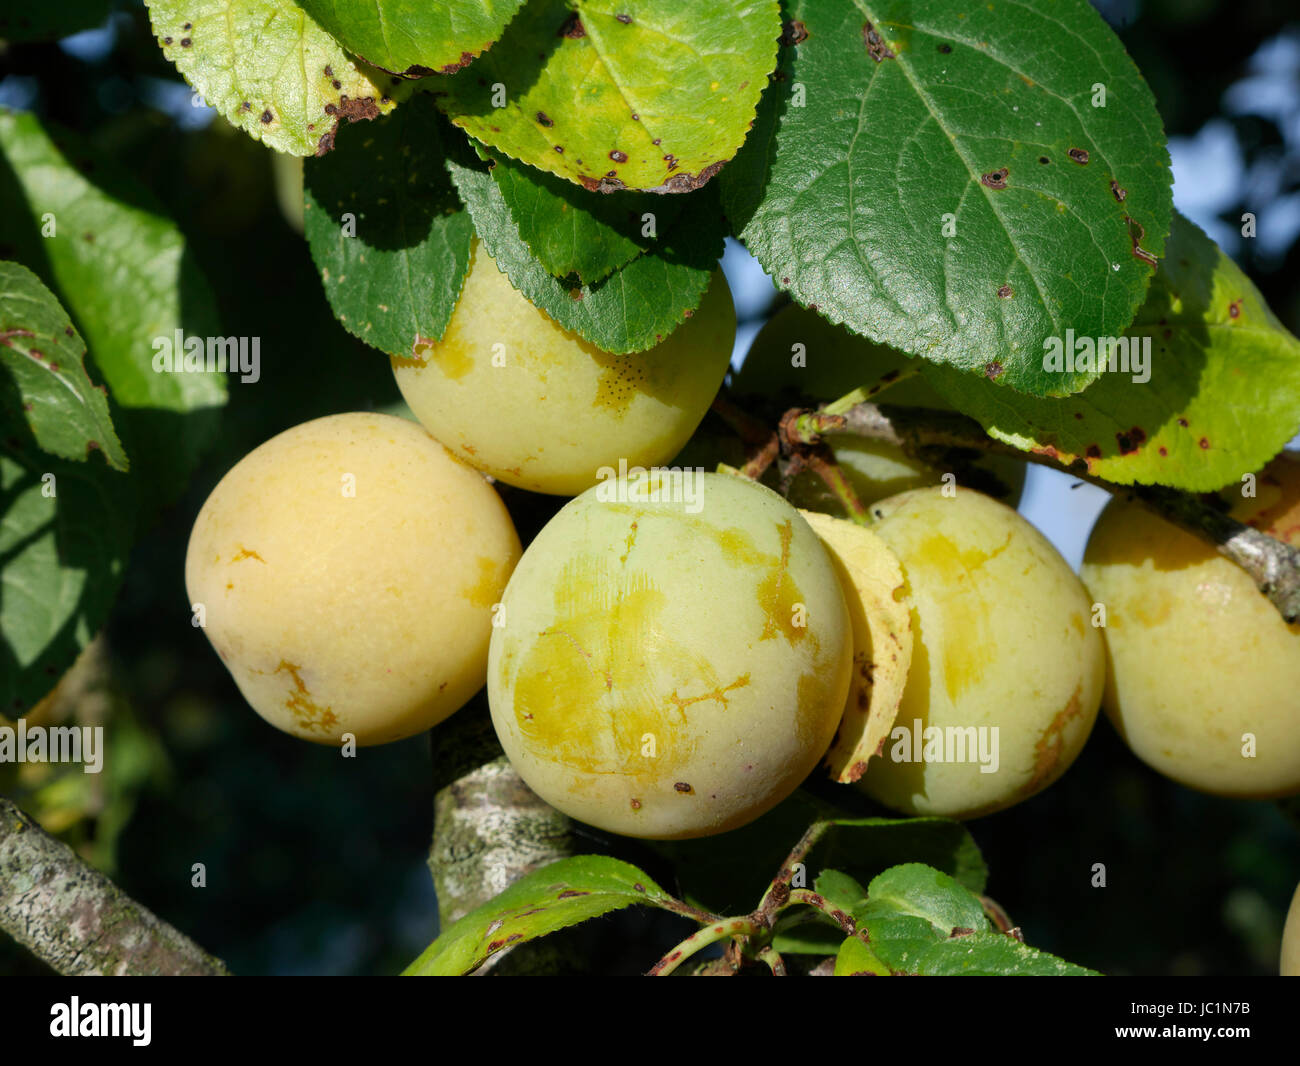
(1204, 675)
(346, 571)
(1006, 671)
(833, 362)
(674, 656)
(1290, 965)
(536, 406)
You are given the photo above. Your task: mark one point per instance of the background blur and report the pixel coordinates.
(310, 870)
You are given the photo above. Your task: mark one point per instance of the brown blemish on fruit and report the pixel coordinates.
(310, 715)
(628, 544)
(995, 179)
(636, 805)
(719, 694)
(1047, 749)
(876, 46)
(683, 787)
(1079, 155)
(244, 553)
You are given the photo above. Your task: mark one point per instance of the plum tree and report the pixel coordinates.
(1204, 675)
(831, 363)
(1006, 673)
(537, 406)
(674, 656)
(1290, 966)
(345, 571)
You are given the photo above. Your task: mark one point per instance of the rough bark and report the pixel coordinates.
(490, 829)
(75, 919)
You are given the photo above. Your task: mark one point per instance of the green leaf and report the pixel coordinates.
(124, 273)
(913, 906)
(393, 271)
(728, 873)
(840, 889)
(66, 413)
(855, 959)
(1223, 396)
(894, 120)
(414, 37)
(633, 308)
(559, 895)
(24, 22)
(270, 69)
(65, 531)
(572, 232)
(866, 846)
(992, 954)
(614, 94)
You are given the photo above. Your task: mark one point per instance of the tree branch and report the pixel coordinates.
(1273, 565)
(489, 829)
(74, 918)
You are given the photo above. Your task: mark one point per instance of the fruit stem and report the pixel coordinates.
(868, 393)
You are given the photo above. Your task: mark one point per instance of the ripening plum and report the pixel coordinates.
(834, 362)
(674, 655)
(345, 571)
(536, 406)
(1007, 671)
(1204, 675)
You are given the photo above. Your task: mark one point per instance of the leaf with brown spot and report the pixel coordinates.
(844, 200)
(414, 38)
(250, 58)
(43, 356)
(555, 897)
(691, 77)
(395, 281)
(1222, 370)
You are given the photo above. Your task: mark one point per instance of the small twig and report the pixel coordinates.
(762, 443)
(699, 940)
(1000, 918)
(779, 891)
